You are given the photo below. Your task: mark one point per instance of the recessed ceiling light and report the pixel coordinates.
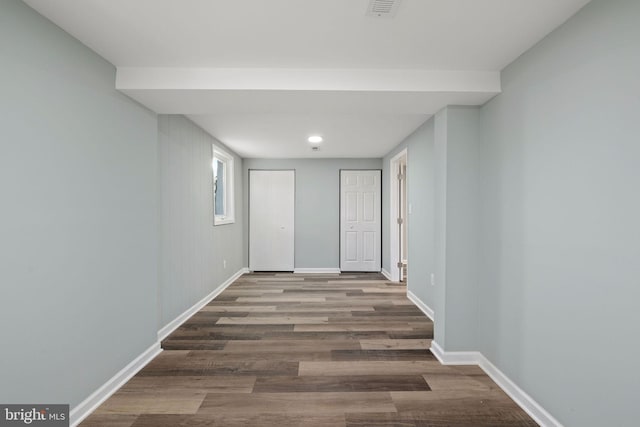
(315, 139)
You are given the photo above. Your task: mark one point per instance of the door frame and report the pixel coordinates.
(295, 201)
(340, 211)
(394, 253)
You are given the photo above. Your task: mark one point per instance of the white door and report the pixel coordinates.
(360, 210)
(271, 220)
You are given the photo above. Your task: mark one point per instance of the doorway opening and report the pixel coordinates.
(398, 221)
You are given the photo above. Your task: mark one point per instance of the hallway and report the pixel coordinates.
(312, 350)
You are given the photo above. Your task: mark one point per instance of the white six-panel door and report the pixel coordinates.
(271, 220)
(360, 211)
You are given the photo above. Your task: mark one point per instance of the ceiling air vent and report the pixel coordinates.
(383, 8)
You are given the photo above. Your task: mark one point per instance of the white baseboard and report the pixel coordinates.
(455, 357)
(437, 351)
(522, 399)
(91, 403)
(85, 408)
(386, 274)
(175, 323)
(519, 396)
(316, 271)
(421, 305)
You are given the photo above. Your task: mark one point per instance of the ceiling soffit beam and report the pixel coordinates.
(358, 80)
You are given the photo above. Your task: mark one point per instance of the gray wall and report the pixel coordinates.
(440, 130)
(457, 210)
(420, 223)
(317, 216)
(192, 250)
(79, 228)
(560, 282)
(462, 228)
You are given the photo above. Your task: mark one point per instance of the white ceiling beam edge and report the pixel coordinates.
(360, 80)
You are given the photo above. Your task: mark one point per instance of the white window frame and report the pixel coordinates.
(229, 215)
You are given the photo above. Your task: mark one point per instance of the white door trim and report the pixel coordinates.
(394, 256)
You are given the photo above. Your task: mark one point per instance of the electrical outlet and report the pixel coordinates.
(224, 263)
(433, 279)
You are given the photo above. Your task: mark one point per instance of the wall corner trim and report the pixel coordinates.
(316, 271)
(421, 305)
(175, 323)
(91, 403)
(519, 396)
(386, 274)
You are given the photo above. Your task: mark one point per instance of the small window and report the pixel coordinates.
(222, 187)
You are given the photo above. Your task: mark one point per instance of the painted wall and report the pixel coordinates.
(192, 250)
(421, 225)
(456, 218)
(317, 217)
(440, 130)
(79, 228)
(462, 228)
(560, 282)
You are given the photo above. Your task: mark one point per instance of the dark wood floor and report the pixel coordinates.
(307, 350)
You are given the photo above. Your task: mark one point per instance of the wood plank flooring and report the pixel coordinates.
(307, 350)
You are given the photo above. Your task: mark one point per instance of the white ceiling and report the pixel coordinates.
(263, 75)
